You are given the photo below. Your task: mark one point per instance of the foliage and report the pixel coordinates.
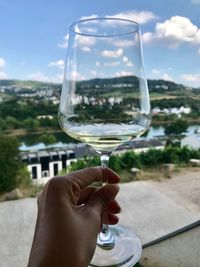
(177, 127)
(129, 160)
(193, 103)
(75, 166)
(10, 168)
(47, 139)
(24, 114)
(31, 124)
(23, 177)
(21, 112)
(115, 163)
(149, 159)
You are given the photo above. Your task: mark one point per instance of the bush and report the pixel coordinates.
(47, 139)
(10, 165)
(150, 159)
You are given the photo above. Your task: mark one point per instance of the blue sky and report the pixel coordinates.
(33, 36)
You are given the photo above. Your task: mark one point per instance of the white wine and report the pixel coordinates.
(104, 137)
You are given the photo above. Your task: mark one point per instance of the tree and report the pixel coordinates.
(178, 127)
(31, 124)
(47, 139)
(13, 123)
(10, 165)
(115, 164)
(130, 160)
(3, 125)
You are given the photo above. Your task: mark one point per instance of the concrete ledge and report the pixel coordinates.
(180, 250)
(153, 209)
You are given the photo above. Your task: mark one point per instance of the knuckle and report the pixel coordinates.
(57, 184)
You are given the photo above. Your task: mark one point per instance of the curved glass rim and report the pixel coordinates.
(71, 27)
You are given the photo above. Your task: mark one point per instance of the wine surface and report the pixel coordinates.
(104, 137)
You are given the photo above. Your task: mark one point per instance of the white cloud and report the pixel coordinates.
(174, 31)
(112, 64)
(3, 75)
(140, 17)
(38, 76)
(97, 63)
(89, 17)
(60, 64)
(166, 77)
(98, 74)
(112, 53)
(64, 44)
(2, 62)
(86, 49)
(74, 75)
(155, 71)
(160, 74)
(85, 40)
(94, 73)
(191, 77)
(129, 64)
(123, 43)
(148, 37)
(125, 59)
(123, 73)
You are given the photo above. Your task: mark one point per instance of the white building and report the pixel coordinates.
(44, 165)
(140, 146)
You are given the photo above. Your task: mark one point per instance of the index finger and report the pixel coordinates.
(94, 174)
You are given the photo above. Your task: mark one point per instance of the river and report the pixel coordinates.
(31, 142)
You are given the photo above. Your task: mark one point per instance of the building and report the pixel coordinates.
(139, 146)
(45, 164)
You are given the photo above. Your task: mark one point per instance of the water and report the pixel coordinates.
(30, 142)
(160, 131)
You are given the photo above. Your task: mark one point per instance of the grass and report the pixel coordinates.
(153, 95)
(28, 191)
(31, 191)
(156, 174)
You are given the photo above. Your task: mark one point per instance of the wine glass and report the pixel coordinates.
(105, 103)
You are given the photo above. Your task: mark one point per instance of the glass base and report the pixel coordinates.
(125, 253)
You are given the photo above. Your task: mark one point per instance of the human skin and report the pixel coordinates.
(71, 212)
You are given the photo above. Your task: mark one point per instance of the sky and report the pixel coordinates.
(33, 36)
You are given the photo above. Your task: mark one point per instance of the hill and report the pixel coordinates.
(157, 88)
(26, 84)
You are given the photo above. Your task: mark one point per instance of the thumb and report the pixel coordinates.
(100, 199)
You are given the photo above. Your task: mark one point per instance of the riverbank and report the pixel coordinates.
(190, 121)
(40, 130)
(23, 132)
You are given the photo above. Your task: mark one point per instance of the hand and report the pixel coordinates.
(70, 215)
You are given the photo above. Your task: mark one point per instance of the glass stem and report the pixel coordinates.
(105, 238)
